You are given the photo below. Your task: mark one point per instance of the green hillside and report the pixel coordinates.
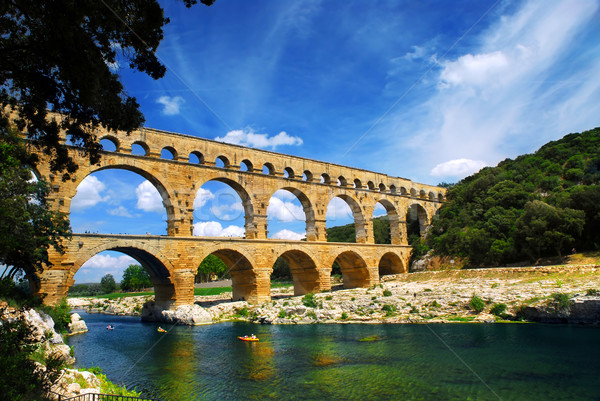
(347, 233)
(538, 205)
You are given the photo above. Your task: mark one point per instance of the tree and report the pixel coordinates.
(211, 264)
(108, 284)
(63, 56)
(135, 278)
(27, 228)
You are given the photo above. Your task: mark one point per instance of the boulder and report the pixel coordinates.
(184, 314)
(77, 324)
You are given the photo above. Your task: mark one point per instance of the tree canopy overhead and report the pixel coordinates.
(61, 55)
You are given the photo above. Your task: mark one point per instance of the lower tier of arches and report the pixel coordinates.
(172, 263)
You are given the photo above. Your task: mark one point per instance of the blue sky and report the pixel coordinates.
(426, 90)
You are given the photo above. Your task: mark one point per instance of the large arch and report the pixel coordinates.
(160, 186)
(395, 232)
(307, 208)
(354, 270)
(244, 280)
(249, 226)
(417, 213)
(391, 263)
(359, 220)
(304, 272)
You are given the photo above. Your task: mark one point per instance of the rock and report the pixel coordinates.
(77, 324)
(184, 314)
(74, 388)
(485, 318)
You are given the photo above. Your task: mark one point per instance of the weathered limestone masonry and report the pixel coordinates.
(173, 259)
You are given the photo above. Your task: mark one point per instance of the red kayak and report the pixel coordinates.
(246, 338)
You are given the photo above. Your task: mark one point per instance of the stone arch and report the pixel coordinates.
(288, 172)
(370, 185)
(403, 191)
(244, 279)
(309, 212)
(357, 183)
(270, 169)
(391, 263)
(342, 182)
(247, 164)
(413, 193)
(171, 150)
(304, 272)
(422, 194)
(113, 139)
(382, 187)
(431, 196)
(152, 260)
(440, 197)
(393, 189)
(142, 145)
(163, 190)
(396, 236)
(197, 155)
(224, 160)
(246, 202)
(307, 176)
(417, 212)
(354, 270)
(325, 179)
(359, 220)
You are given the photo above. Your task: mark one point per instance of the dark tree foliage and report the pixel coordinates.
(27, 228)
(108, 284)
(61, 55)
(347, 233)
(281, 270)
(211, 264)
(538, 205)
(135, 278)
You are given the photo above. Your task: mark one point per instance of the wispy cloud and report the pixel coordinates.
(254, 140)
(171, 105)
(289, 235)
(215, 229)
(457, 168)
(101, 264)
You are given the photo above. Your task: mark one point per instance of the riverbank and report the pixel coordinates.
(434, 296)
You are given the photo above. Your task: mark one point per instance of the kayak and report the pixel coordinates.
(249, 339)
(160, 330)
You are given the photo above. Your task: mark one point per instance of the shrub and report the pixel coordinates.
(476, 303)
(60, 314)
(591, 291)
(281, 314)
(387, 293)
(498, 309)
(560, 300)
(344, 316)
(435, 304)
(329, 297)
(388, 309)
(309, 300)
(242, 312)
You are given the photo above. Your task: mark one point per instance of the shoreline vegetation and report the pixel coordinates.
(561, 294)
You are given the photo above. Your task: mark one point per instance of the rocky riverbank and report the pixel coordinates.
(546, 294)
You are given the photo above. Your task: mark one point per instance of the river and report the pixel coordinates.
(330, 362)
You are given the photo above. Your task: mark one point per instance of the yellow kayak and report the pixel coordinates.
(161, 330)
(249, 338)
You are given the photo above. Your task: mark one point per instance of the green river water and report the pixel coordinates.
(330, 362)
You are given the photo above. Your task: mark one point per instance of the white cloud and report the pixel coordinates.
(171, 105)
(249, 138)
(215, 229)
(479, 69)
(89, 193)
(338, 209)
(379, 210)
(285, 211)
(458, 168)
(120, 211)
(287, 234)
(284, 194)
(202, 196)
(102, 264)
(148, 198)
(228, 212)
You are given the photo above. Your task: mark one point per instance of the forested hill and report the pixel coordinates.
(538, 205)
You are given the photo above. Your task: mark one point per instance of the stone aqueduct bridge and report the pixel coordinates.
(172, 260)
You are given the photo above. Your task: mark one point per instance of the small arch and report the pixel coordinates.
(140, 148)
(354, 270)
(382, 187)
(422, 194)
(431, 196)
(440, 197)
(288, 172)
(246, 165)
(393, 189)
(307, 176)
(390, 263)
(268, 169)
(325, 179)
(222, 161)
(109, 144)
(196, 157)
(168, 153)
(370, 185)
(403, 191)
(413, 193)
(357, 183)
(342, 182)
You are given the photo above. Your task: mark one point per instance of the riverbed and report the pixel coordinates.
(345, 361)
